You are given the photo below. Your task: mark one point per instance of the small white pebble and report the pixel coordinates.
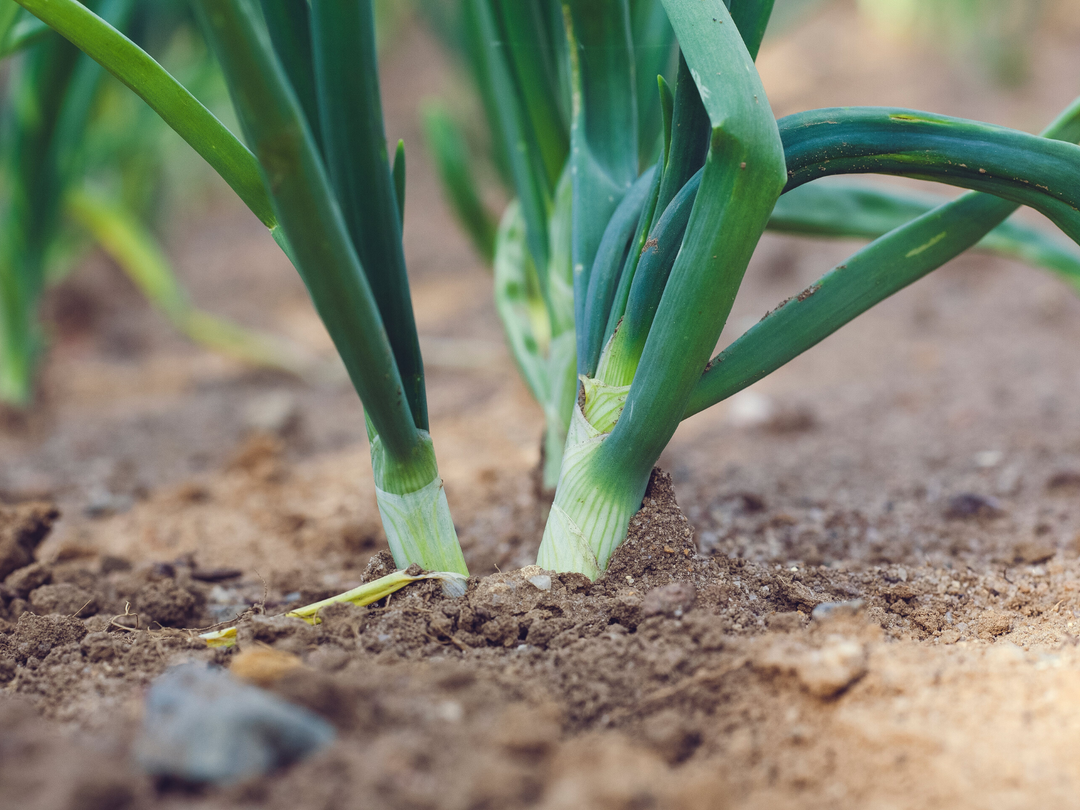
(986, 459)
(541, 581)
(450, 711)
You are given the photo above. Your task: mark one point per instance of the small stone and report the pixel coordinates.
(1033, 552)
(828, 611)
(968, 505)
(276, 412)
(541, 581)
(669, 600)
(202, 725)
(993, 623)
(827, 672)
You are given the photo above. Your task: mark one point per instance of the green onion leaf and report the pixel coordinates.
(180, 110)
(1043, 174)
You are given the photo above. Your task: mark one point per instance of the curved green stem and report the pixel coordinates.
(871, 275)
(1041, 173)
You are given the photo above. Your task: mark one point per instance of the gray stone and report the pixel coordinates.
(202, 725)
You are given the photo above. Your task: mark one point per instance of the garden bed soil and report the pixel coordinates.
(857, 585)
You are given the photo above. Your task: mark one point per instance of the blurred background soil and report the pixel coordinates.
(925, 460)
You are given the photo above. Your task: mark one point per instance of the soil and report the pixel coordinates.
(866, 592)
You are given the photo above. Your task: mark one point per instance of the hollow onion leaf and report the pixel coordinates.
(610, 259)
(654, 265)
(742, 178)
(686, 139)
(289, 24)
(633, 259)
(305, 205)
(752, 18)
(877, 271)
(450, 155)
(358, 166)
(516, 307)
(603, 132)
(511, 123)
(654, 49)
(851, 210)
(33, 180)
(536, 77)
(1041, 173)
(690, 132)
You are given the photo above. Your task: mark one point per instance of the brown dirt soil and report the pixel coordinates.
(869, 598)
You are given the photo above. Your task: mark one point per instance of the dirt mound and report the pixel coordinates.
(676, 680)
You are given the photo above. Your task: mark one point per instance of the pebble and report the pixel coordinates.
(541, 581)
(276, 412)
(832, 610)
(669, 600)
(202, 725)
(968, 505)
(827, 672)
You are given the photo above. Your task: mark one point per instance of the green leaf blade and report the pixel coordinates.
(358, 165)
(305, 204)
(742, 178)
(888, 264)
(603, 133)
(1041, 173)
(177, 107)
(450, 155)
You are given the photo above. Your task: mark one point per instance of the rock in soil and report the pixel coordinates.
(202, 725)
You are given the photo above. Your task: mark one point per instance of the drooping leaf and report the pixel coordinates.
(877, 271)
(1041, 173)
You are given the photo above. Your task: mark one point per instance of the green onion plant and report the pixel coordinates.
(68, 177)
(628, 253)
(516, 55)
(520, 66)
